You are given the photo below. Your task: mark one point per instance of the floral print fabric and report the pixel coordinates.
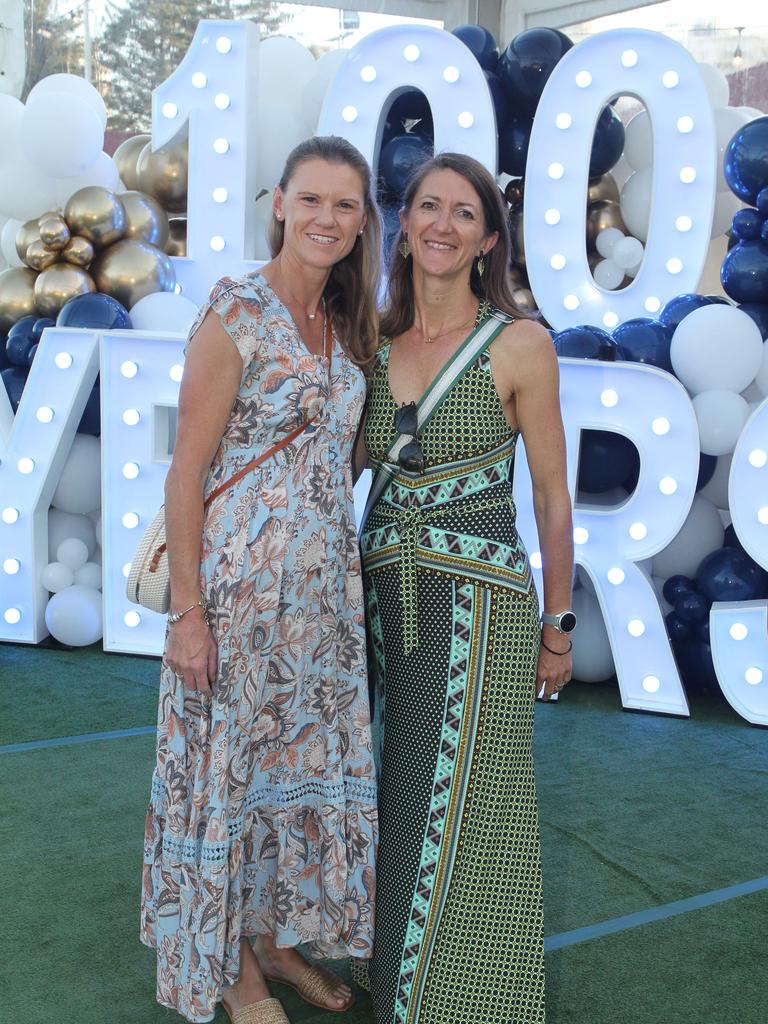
(262, 815)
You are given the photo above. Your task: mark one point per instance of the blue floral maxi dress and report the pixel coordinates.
(262, 815)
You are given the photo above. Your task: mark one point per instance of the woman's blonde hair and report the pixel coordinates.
(352, 288)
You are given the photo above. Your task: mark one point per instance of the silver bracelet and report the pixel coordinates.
(173, 617)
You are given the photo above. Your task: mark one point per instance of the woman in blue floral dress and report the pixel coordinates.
(262, 820)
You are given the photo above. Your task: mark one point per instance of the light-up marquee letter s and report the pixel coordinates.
(34, 446)
(392, 60)
(665, 77)
(210, 93)
(738, 631)
(140, 376)
(653, 410)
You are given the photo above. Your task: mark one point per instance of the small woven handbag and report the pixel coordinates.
(149, 580)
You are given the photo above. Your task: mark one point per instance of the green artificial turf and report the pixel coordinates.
(636, 810)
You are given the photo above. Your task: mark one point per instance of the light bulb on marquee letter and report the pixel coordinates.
(666, 78)
(738, 632)
(391, 60)
(615, 539)
(220, 162)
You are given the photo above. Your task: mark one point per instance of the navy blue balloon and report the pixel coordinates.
(410, 106)
(758, 311)
(500, 100)
(17, 349)
(22, 326)
(764, 230)
(746, 225)
(694, 658)
(96, 311)
(586, 342)
(677, 309)
(39, 326)
(401, 156)
(718, 300)
(745, 164)
(707, 465)
(701, 630)
(14, 379)
(762, 201)
(744, 272)
(606, 459)
(514, 137)
(608, 143)
(644, 340)
(480, 43)
(4, 364)
(729, 574)
(31, 354)
(677, 630)
(731, 538)
(676, 586)
(90, 421)
(527, 63)
(692, 607)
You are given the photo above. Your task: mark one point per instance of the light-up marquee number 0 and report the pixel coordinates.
(665, 77)
(211, 91)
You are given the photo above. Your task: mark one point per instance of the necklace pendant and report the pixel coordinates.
(311, 316)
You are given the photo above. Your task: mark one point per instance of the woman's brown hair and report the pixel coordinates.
(495, 284)
(352, 288)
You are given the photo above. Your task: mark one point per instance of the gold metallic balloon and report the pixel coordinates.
(17, 295)
(126, 157)
(177, 242)
(54, 232)
(163, 174)
(145, 219)
(516, 235)
(524, 299)
(39, 257)
(602, 187)
(513, 193)
(129, 270)
(25, 236)
(601, 215)
(57, 285)
(97, 214)
(78, 251)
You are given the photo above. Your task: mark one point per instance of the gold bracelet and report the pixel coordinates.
(173, 617)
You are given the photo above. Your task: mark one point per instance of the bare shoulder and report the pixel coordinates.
(524, 347)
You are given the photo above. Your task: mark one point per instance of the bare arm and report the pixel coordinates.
(528, 366)
(209, 387)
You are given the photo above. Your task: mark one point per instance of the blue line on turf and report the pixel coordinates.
(68, 741)
(666, 910)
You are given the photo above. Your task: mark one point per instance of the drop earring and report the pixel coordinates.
(404, 248)
(481, 263)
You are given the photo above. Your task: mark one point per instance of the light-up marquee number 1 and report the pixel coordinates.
(211, 91)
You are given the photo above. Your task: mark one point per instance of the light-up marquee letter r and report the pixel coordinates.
(666, 78)
(738, 631)
(210, 92)
(34, 446)
(653, 410)
(392, 60)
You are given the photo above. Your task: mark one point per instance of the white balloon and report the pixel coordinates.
(716, 488)
(74, 616)
(701, 533)
(721, 416)
(716, 346)
(606, 240)
(73, 553)
(592, 657)
(89, 575)
(751, 113)
(73, 85)
(164, 311)
(278, 122)
(761, 378)
(628, 253)
(8, 242)
(61, 135)
(62, 525)
(635, 202)
(79, 487)
(638, 141)
(56, 576)
(102, 172)
(262, 220)
(715, 83)
(728, 120)
(726, 205)
(317, 84)
(608, 275)
(285, 67)
(11, 111)
(25, 190)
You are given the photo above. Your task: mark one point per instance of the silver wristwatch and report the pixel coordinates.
(564, 622)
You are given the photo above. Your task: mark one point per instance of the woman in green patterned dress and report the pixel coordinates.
(457, 649)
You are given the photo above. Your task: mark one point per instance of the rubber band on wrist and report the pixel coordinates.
(559, 653)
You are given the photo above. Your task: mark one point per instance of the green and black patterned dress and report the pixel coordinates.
(454, 639)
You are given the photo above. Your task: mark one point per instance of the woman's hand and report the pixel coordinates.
(191, 652)
(554, 668)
